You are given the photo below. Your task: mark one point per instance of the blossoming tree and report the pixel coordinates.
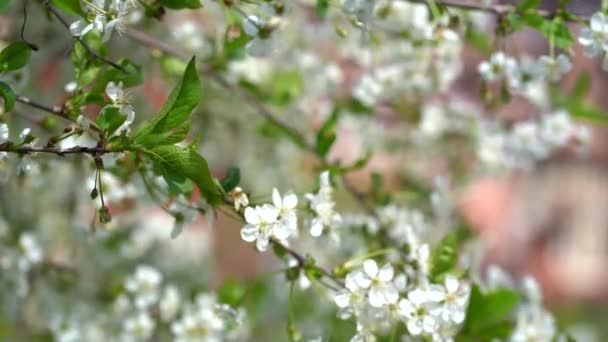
(268, 96)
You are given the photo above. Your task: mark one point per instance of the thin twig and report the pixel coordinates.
(90, 50)
(55, 110)
(27, 149)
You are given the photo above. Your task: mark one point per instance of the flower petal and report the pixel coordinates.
(249, 233)
(370, 267)
(386, 273)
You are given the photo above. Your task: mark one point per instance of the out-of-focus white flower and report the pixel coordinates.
(455, 296)
(65, 330)
(120, 100)
(200, 322)
(382, 291)
(189, 34)
(352, 299)
(144, 285)
(421, 311)
(288, 218)
(323, 205)
(552, 68)
(169, 303)
(594, 38)
(434, 121)
(498, 67)
(139, 327)
(368, 90)
(103, 20)
(3, 133)
(261, 226)
(29, 251)
(533, 324)
(261, 29)
(239, 197)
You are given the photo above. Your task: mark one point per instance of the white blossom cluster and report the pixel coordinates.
(528, 141)
(104, 20)
(522, 74)
(17, 261)
(594, 38)
(379, 298)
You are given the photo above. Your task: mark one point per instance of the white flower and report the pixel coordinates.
(352, 299)
(554, 68)
(103, 20)
(200, 322)
(323, 205)
(287, 212)
(169, 303)
(557, 128)
(144, 285)
(455, 296)
(3, 133)
(499, 66)
(261, 226)
(368, 90)
(139, 327)
(420, 311)
(65, 330)
(594, 39)
(382, 291)
(261, 29)
(239, 197)
(29, 251)
(533, 324)
(120, 100)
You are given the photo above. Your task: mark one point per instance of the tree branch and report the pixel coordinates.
(27, 149)
(55, 110)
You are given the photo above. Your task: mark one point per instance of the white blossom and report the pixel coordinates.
(138, 327)
(169, 303)
(323, 206)
(144, 285)
(262, 226)
(552, 68)
(3, 133)
(239, 197)
(288, 219)
(103, 20)
(382, 291)
(455, 296)
(594, 38)
(120, 100)
(498, 67)
(421, 311)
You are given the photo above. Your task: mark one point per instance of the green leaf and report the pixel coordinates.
(527, 5)
(231, 292)
(181, 4)
(15, 56)
(8, 96)
(110, 119)
(327, 134)
(4, 5)
(286, 86)
(188, 163)
(170, 137)
(445, 254)
(322, 8)
(69, 6)
(232, 179)
(131, 77)
(487, 314)
(176, 110)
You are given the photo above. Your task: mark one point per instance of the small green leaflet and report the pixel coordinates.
(488, 314)
(8, 96)
(180, 4)
(189, 164)
(110, 119)
(15, 56)
(69, 6)
(327, 134)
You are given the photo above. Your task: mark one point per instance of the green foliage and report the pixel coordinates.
(4, 5)
(286, 86)
(574, 102)
(181, 4)
(131, 77)
(187, 163)
(69, 6)
(232, 179)
(327, 134)
(487, 315)
(322, 8)
(445, 254)
(176, 110)
(555, 30)
(15, 56)
(110, 119)
(8, 96)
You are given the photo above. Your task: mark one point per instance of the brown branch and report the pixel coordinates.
(55, 110)
(496, 9)
(57, 14)
(27, 149)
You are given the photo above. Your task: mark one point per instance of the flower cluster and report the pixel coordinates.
(379, 299)
(520, 75)
(271, 221)
(103, 20)
(594, 38)
(529, 141)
